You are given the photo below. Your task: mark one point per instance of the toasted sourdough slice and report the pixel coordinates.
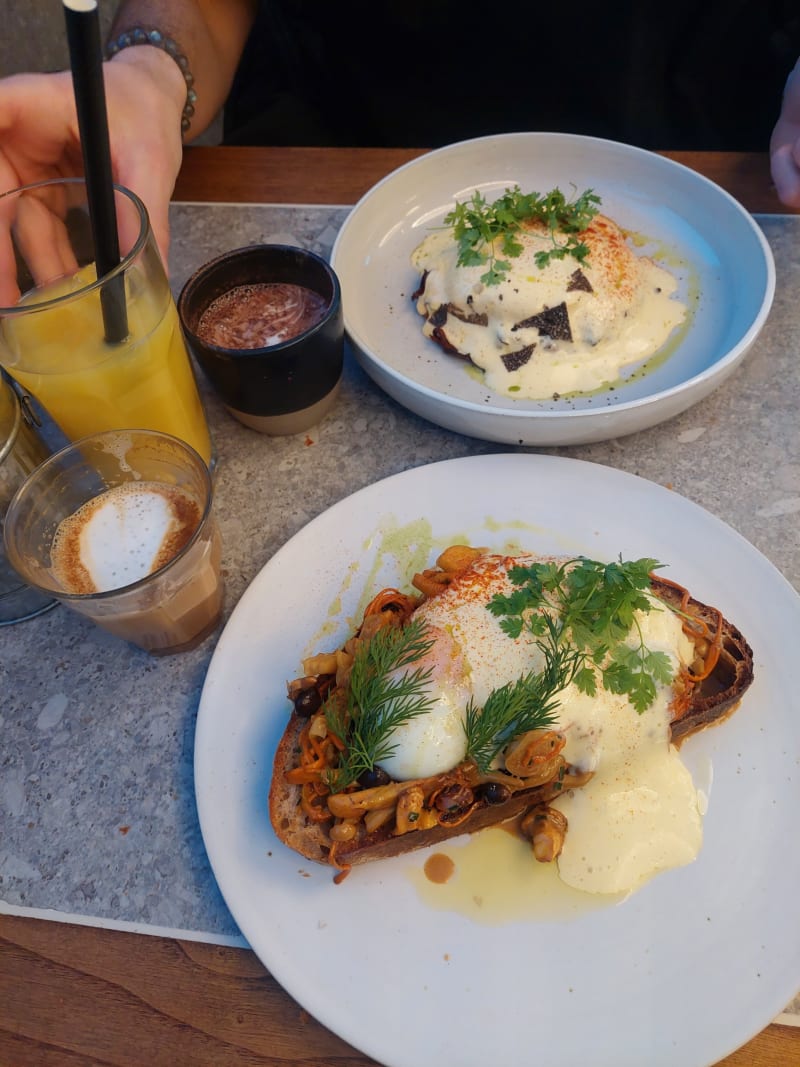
(707, 701)
(310, 839)
(718, 695)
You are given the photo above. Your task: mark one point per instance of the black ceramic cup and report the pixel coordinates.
(287, 385)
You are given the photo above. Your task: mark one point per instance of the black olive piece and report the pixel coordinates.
(374, 777)
(495, 792)
(307, 702)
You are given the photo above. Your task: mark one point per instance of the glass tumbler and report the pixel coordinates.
(120, 527)
(21, 452)
(98, 354)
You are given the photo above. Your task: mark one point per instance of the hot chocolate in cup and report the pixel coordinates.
(265, 324)
(119, 527)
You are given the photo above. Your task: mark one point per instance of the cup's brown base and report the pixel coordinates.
(293, 421)
(193, 642)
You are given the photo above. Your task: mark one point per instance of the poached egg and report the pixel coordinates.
(640, 812)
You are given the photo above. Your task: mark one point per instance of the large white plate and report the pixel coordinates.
(696, 221)
(680, 974)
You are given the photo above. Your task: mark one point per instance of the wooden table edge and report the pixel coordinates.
(73, 994)
(342, 175)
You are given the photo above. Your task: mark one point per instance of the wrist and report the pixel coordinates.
(161, 59)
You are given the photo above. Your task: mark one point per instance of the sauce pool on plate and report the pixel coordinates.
(493, 879)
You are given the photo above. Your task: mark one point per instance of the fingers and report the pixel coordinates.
(154, 186)
(785, 166)
(785, 143)
(9, 290)
(35, 243)
(39, 139)
(38, 129)
(145, 133)
(42, 240)
(35, 247)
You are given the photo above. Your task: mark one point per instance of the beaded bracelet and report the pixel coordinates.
(168, 45)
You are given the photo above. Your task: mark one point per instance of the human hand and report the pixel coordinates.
(785, 143)
(39, 137)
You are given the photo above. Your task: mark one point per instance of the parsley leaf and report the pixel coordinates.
(596, 605)
(483, 230)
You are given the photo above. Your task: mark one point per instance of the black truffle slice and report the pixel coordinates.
(578, 282)
(439, 316)
(473, 318)
(552, 322)
(517, 359)
(421, 289)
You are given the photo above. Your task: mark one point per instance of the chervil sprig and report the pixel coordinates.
(595, 605)
(478, 225)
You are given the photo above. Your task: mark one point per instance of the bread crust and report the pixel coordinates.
(716, 697)
(710, 700)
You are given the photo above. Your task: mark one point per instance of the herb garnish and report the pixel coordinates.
(477, 225)
(581, 613)
(379, 699)
(595, 605)
(528, 703)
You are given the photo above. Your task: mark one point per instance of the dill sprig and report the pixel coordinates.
(379, 699)
(477, 225)
(596, 604)
(527, 703)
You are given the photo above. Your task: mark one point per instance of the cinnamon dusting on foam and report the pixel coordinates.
(121, 536)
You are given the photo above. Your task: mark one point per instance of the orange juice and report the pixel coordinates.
(58, 353)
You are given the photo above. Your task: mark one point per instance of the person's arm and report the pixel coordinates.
(145, 97)
(150, 92)
(209, 33)
(785, 143)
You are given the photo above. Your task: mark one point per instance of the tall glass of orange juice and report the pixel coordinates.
(53, 332)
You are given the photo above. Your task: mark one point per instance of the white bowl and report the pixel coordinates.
(720, 255)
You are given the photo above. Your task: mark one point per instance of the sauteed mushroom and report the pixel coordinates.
(546, 829)
(532, 756)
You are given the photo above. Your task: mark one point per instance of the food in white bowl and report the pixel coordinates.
(543, 294)
(713, 246)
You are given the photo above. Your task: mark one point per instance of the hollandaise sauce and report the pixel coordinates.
(552, 331)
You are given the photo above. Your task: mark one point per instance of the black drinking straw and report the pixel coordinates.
(83, 37)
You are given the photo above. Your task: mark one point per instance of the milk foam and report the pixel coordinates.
(122, 536)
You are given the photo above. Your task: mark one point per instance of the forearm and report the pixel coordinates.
(210, 33)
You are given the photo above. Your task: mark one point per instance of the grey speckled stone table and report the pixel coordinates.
(97, 811)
